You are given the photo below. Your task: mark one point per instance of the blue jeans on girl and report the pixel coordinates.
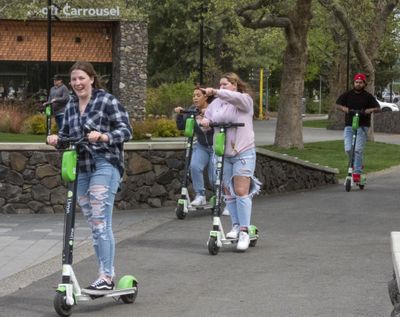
(96, 193)
(240, 207)
(202, 156)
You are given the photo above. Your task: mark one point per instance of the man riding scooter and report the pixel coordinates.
(357, 100)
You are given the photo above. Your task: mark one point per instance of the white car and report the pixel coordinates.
(388, 106)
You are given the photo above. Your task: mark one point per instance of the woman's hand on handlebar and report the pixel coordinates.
(178, 109)
(205, 123)
(52, 139)
(95, 136)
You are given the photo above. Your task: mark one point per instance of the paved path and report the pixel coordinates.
(322, 253)
(298, 232)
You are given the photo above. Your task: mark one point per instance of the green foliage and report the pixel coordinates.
(36, 124)
(162, 100)
(155, 128)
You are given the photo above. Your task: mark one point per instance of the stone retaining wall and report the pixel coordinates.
(30, 179)
(387, 122)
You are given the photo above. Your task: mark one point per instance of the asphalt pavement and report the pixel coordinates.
(321, 253)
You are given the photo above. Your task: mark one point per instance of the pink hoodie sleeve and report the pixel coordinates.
(240, 100)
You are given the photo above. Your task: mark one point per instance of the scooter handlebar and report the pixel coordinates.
(354, 112)
(226, 125)
(195, 111)
(66, 142)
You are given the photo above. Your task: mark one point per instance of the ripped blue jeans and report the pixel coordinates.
(243, 164)
(96, 193)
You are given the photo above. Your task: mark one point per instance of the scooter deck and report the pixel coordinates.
(203, 207)
(235, 240)
(114, 292)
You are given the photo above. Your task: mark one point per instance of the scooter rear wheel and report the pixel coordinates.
(361, 186)
(348, 185)
(61, 306)
(212, 246)
(130, 298)
(180, 214)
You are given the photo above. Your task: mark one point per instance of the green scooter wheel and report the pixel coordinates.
(180, 214)
(128, 281)
(61, 307)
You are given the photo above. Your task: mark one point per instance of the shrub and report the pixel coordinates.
(5, 121)
(163, 99)
(12, 115)
(155, 127)
(36, 124)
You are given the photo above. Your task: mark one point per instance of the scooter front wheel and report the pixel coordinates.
(347, 185)
(180, 214)
(61, 307)
(212, 246)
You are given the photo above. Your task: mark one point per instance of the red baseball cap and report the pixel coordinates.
(360, 76)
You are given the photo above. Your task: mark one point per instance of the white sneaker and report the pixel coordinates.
(244, 241)
(234, 233)
(199, 201)
(226, 211)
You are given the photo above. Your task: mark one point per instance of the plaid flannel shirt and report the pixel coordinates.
(104, 114)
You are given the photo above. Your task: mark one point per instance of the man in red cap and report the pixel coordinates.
(350, 102)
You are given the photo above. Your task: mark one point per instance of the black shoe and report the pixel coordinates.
(99, 287)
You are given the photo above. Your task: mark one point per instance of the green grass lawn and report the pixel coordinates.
(16, 137)
(378, 156)
(316, 123)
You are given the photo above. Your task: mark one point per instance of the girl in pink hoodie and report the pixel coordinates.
(233, 103)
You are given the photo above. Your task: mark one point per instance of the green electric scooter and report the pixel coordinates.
(349, 182)
(184, 204)
(69, 292)
(48, 111)
(217, 235)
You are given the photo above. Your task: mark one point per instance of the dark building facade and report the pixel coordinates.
(117, 49)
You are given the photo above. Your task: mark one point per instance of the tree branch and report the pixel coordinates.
(358, 47)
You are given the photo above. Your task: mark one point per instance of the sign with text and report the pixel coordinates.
(69, 11)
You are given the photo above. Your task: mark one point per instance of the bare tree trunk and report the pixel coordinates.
(289, 127)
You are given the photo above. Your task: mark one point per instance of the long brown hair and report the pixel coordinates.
(234, 79)
(88, 69)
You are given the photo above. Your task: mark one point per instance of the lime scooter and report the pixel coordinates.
(217, 235)
(184, 204)
(48, 111)
(69, 293)
(349, 182)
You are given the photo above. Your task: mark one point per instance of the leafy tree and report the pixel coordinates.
(294, 17)
(365, 45)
